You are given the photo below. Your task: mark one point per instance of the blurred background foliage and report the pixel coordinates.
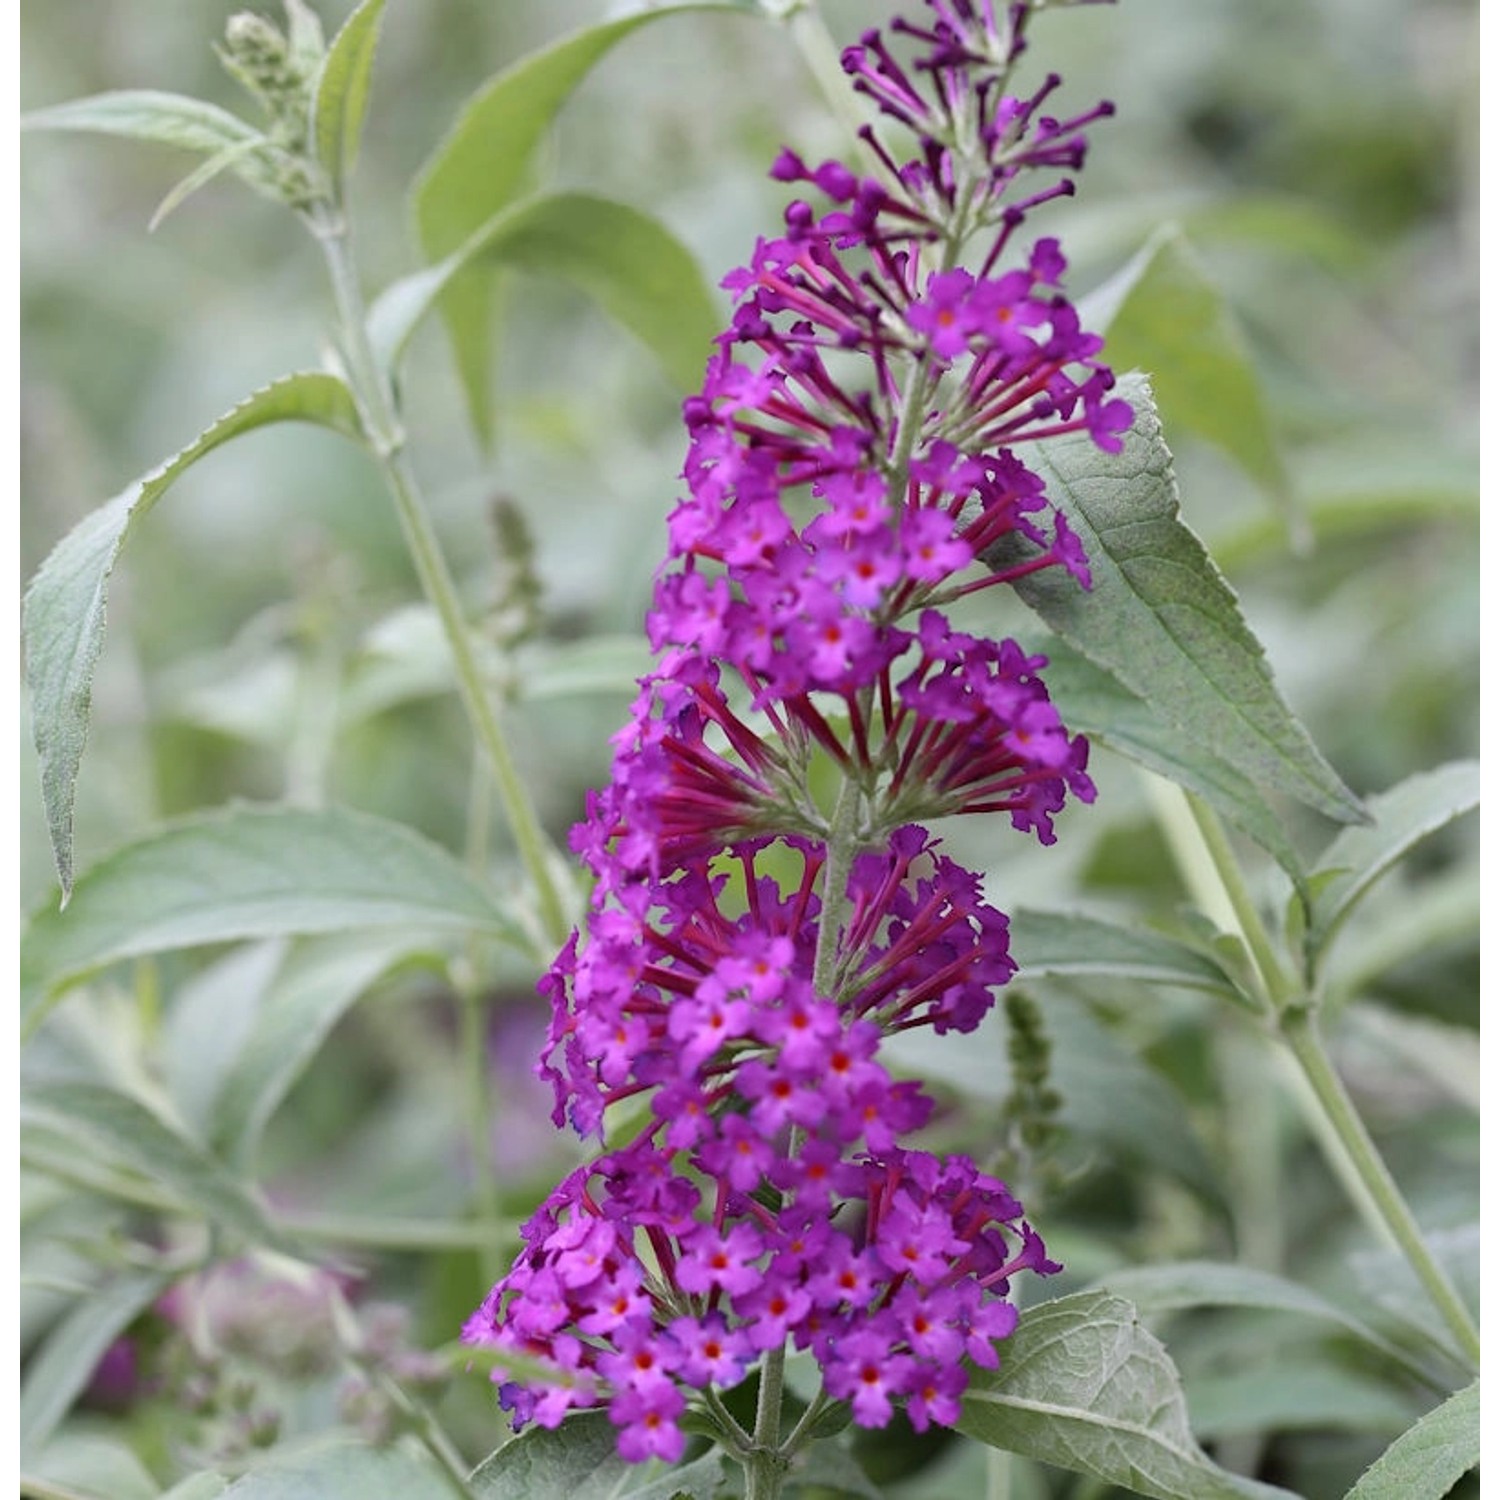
(1320, 156)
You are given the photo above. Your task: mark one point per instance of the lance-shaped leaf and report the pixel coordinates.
(1070, 943)
(251, 872)
(578, 1461)
(1429, 1458)
(1160, 617)
(112, 1127)
(317, 986)
(1083, 1386)
(1097, 704)
(342, 93)
(172, 120)
(635, 269)
(483, 165)
(63, 617)
(61, 1368)
(1195, 1284)
(1165, 316)
(1403, 817)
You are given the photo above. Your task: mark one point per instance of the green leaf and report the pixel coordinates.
(1427, 1460)
(1194, 1284)
(114, 1127)
(829, 1466)
(171, 120)
(1308, 1392)
(1389, 1285)
(342, 1471)
(60, 1369)
(201, 175)
(250, 872)
(305, 1002)
(205, 1486)
(1163, 315)
(63, 615)
(1083, 1386)
(1093, 702)
(1403, 817)
(578, 1461)
(342, 93)
(483, 165)
(1054, 942)
(81, 1465)
(1161, 619)
(635, 269)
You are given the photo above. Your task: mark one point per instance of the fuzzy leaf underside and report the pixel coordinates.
(1084, 1387)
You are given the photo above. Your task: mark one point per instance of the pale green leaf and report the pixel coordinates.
(63, 615)
(58, 1372)
(578, 1461)
(829, 1468)
(1093, 702)
(1162, 314)
(483, 165)
(1195, 1284)
(633, 267)
(92, 1466)
(1161, 619)
(1310, 1392)
(205, 1486)
(248, 872)
(1389, 1285)
(1427, 1460)
(114, 1128)
(1082, 1386)
(200, 176)
(318, 985)
(342, 93)
(1403, 817)
(342, 1471)
(1069, 943)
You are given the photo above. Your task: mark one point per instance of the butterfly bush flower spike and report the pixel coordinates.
(857, 462)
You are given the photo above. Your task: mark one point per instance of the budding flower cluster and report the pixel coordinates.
(854, 457)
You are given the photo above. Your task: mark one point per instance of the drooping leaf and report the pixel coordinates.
(1162, 314)
(344, 1471)
(201, 175)
(578, 1461)
(482, 166)
(1403, 816)
(304, 1004)
(171, 120)
(1428, 1459)
(1194, 1284)
(63, 616)
(1161, 618)
(1093, 702)
(113, 1127)
(636, 270)
(78, 1464)
(1053, 942)
(1392, 1291)
(58, 1372)
(1083, 1386)
(250, 872)
(342, 93)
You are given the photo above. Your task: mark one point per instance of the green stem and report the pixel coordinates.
(1299, 1027)
(1334, 1114)
(373, 393)
(765, 1467)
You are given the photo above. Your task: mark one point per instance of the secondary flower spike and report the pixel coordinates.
(768, 907)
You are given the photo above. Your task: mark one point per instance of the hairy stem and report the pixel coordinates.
(765, 1467)
(372, 390)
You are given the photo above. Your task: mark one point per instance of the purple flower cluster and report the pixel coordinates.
(853, 469)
